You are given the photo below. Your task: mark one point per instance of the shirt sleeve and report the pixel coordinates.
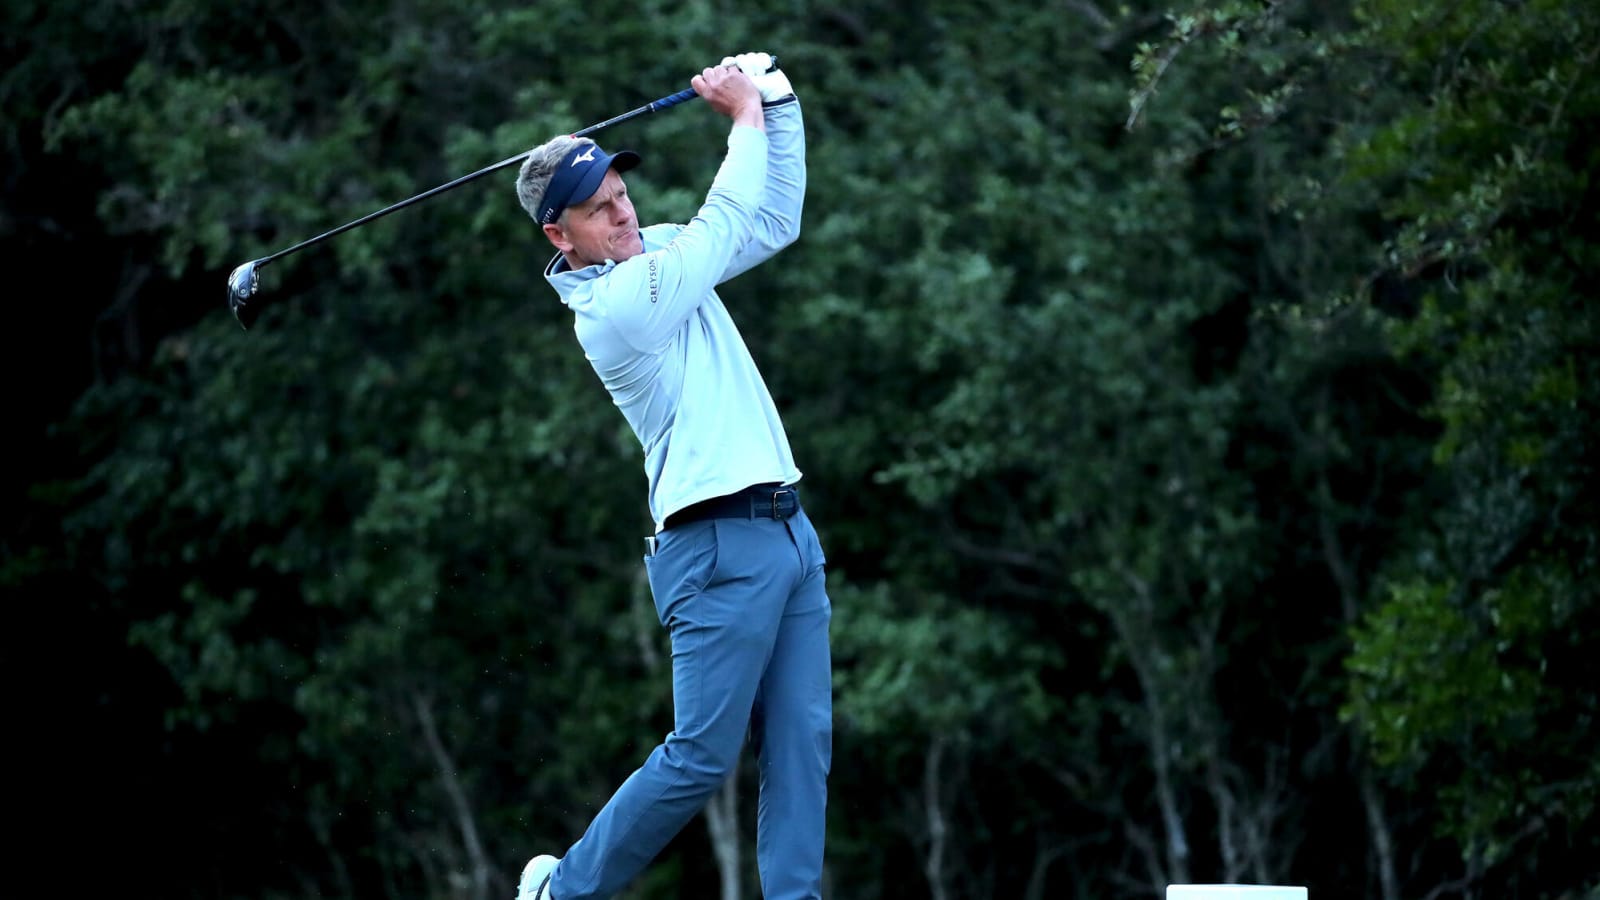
(647, 298)
(783, 197)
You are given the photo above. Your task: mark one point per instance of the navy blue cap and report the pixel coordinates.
(578, 177)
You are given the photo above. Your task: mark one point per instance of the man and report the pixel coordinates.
(735, 566)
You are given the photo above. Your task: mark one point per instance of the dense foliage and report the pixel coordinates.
(1195, 402)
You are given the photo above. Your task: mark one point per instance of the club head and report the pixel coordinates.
(242, 285)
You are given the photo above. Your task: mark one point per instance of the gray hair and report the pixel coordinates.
(540, 167)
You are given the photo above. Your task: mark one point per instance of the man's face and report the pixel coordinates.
(600, 228)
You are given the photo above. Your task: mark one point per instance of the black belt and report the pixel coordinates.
(762, 501)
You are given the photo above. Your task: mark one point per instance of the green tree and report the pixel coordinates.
(1464, 135)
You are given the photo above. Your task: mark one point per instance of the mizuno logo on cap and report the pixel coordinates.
(585, 156)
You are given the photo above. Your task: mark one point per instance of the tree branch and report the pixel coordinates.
(482, 873)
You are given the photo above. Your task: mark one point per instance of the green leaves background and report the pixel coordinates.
(1194, 402)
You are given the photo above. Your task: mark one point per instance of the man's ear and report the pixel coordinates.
(558, 237)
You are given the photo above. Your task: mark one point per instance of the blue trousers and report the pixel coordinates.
(745, 605)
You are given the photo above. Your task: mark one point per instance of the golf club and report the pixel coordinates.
(245, 280)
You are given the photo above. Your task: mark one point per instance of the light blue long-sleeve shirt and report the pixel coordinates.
(663, 343)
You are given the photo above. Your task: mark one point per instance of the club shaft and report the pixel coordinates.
(665, 102)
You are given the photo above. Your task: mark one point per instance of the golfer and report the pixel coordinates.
(735, 566)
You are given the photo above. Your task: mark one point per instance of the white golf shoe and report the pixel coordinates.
(535, 883)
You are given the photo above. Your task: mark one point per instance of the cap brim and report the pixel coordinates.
(622, 161)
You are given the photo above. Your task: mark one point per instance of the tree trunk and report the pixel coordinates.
(1382, 841)
(933, 810)
(481, 875)
(722, 820)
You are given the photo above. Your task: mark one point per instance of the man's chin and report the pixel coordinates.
(628, 250)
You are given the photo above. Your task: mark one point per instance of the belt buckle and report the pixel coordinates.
(777, 494)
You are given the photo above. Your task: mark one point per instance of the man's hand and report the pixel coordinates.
(774, 85)
(730, 92)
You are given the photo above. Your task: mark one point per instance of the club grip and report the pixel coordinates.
(674, 99)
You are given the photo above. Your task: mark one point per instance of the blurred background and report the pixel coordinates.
(1196, 401)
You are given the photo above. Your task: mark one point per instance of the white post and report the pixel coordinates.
(1234, 892)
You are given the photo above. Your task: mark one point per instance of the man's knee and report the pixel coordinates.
(705, 765)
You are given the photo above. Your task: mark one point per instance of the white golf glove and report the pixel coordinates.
(773, 85)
